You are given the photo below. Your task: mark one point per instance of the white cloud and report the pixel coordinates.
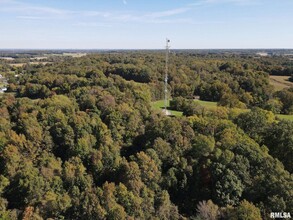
(19, 7)
(31, 17)
(168, 13)
(37, 12)
(236, 2)
(93, 13)
(91, 24)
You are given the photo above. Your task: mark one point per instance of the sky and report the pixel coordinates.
(145, 24)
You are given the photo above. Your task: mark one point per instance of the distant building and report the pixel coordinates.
(262, 54)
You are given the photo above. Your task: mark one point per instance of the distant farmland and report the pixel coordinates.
(31, 63)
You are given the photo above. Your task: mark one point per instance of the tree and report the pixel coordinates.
(228, 187)
(279, 139)
(131, 203)
(231, 101)
(165, 209)
(114, 210)
(245, 211)
(150, 172)
(274, 105)
(207, 210)
(286, 97)
(255, 122)
(202, 146)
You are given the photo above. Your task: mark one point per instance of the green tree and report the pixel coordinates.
(202, 146)
(279, 139)
(228, 187)
(286, 97)
(255, 122)
(245, 211)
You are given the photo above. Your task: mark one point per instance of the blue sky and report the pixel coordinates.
(138, 24)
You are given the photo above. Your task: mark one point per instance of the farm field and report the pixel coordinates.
(31, 63)
(75, 55)
(280, 82)
(7, 58)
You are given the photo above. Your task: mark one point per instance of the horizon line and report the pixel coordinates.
(256, 48)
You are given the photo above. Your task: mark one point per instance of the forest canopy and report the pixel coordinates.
(79, 139)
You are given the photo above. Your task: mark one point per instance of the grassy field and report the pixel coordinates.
(159, 105)
(207, 104)
(288, 117)
(280, 82)
(17, 64)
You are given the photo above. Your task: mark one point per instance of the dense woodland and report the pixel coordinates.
(80, 140)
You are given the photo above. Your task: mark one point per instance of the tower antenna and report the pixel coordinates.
(166, 77)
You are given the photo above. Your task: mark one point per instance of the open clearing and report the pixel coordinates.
(280, 82)
(288, 117)
(159, 106)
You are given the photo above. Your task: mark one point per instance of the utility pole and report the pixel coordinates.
(166, 77)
